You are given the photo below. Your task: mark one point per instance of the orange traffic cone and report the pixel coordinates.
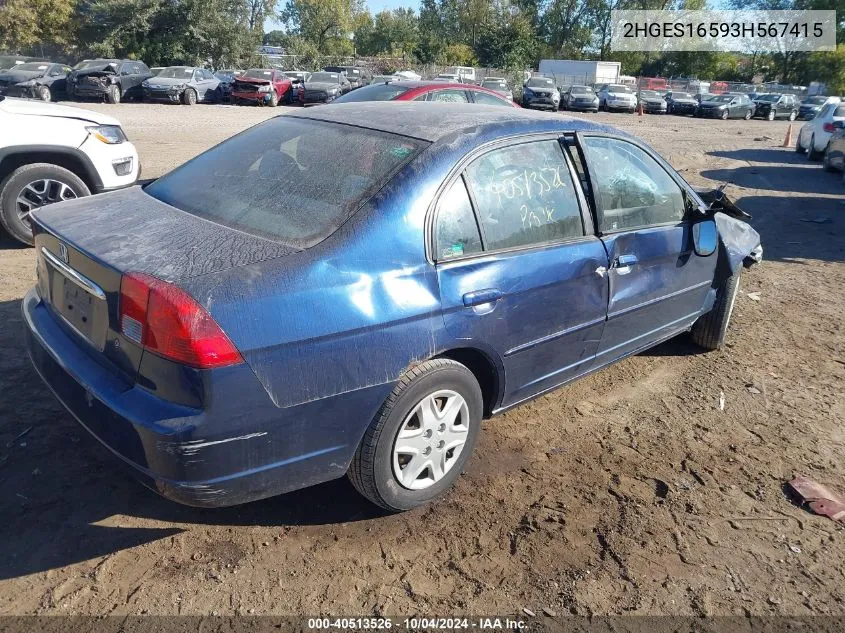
(787, 142)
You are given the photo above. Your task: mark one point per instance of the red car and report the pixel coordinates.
(262, 85)
(401, 90)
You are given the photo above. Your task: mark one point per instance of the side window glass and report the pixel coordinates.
(631, 188)
(488, 99)
(525, 195)
(457, 231)
(451, 96)
(422, 97)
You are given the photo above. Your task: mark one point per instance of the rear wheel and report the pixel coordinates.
(798, 147)
(710, 329)
(828, 166)
(113, 94)
(421, 438)
(31, 187)
(812, 153)
(189, 97)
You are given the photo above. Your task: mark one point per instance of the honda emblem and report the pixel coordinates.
(63, 252)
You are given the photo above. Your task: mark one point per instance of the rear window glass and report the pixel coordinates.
(374, 92)
(285, 179)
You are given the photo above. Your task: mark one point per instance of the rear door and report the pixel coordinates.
(521, 273)
(658, 286)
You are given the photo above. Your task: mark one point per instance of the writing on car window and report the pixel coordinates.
(457, 231)
(525, 195)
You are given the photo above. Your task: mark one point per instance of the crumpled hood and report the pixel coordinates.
(252, 80)
(167, 81)
(40, 108)
(131, 230)
(19, 76)
(101, 71)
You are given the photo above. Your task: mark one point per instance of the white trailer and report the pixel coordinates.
(571, 71)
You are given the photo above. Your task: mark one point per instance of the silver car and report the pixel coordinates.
(183, 84)
(498, 84)
(617, 97)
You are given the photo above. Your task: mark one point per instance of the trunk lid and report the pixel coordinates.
(84, 246)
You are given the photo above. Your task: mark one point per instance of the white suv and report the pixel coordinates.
(50, 153)
(815, 134)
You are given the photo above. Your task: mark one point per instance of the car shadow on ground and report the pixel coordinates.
(799, 178)
(63, 496)
(8, 243)
(779, 155)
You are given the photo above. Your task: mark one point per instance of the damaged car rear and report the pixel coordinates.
(276, 313)
(34, 80)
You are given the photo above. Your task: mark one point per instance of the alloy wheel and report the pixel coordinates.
(430, 439)
(40, 193)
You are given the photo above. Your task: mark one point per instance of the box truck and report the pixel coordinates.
(571, 71)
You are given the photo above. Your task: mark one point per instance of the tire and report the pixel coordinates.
(373, 468)
(792, 116)
(725, 115)
(710, 329)
(189, 97)
(812, 153)
(14, 186)
(113, 94)
(798, 147)
(43, 93)
(748, 115)
(770, 116)
(274, 99)
(828, 166)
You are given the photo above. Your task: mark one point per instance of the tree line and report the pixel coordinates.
(506, 34)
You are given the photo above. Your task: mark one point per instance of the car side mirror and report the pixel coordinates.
(704, 237)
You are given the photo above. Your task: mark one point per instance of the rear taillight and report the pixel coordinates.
(828, 127)
(167, 321)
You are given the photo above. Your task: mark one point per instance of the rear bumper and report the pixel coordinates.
(239, 449)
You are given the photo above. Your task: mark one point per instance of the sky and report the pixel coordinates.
(374, 5)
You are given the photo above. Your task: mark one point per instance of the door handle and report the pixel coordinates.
(624, 263)
(488, 295)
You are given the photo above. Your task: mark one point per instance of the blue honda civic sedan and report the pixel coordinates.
(351, 290)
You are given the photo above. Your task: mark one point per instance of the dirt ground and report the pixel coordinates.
(627, 492)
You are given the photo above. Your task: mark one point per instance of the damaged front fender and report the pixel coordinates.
(740, 244)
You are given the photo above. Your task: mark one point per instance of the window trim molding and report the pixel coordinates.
(458, 170)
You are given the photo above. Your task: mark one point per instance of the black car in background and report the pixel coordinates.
(726, 106)
(580, 98)
(36, 80)
(322, 87)
(355, 76)
(227, 78)
(652, 102)
(111, 79)
(776, 106)
(810, 107)
(680, 102)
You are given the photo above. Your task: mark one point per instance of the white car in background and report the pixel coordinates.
(617, 97)
(51, 153)
(815, 134)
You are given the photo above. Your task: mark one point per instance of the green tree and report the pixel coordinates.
(37, 26)
(322, 21)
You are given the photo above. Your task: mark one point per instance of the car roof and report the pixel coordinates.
(433, 121)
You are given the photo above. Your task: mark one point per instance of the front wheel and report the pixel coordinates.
(792, 116)
(113, 94)
(770, 116)
(274, 99)
(748, 115)
(189, 97)
(43, 93)
(421, 438)
(710, 329)
(31, 187)
(725, 115)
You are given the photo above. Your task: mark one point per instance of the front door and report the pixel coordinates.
(521, 274)
(657, 284)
